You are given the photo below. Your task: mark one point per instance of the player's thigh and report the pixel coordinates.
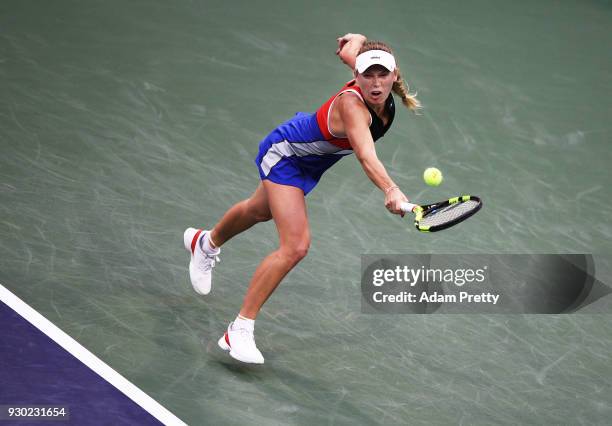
(288, 208)
(258, 204)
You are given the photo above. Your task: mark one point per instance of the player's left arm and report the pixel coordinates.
(355, 118)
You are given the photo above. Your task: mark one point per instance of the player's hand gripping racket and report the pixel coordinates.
(442, 215)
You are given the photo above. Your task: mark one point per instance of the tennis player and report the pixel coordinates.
(291, 160)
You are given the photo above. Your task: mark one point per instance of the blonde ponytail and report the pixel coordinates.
(401, 89)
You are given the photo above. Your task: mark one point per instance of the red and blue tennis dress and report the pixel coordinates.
(300, 150)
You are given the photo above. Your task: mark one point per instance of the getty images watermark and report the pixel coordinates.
(411, 277)
(491, 283)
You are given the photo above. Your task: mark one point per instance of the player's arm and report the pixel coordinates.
(355, 118)
(348, 47)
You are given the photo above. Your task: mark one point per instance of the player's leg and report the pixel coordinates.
(204, 245)
(241, 216)
(288, 209)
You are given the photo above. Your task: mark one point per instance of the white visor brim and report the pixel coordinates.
(374, 57)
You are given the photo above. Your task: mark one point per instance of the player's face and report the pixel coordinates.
(376, 83)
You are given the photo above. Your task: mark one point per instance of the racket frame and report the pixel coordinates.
(425, 210)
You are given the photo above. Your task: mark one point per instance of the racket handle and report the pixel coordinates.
(407, 207)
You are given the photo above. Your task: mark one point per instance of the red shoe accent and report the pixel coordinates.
(195, 240)
(227, 340)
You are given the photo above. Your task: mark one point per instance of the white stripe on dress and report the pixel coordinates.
(283, 149)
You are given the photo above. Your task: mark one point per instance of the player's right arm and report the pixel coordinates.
(348, 48)
(355, 119)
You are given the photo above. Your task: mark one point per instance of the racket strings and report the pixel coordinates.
(449, 213)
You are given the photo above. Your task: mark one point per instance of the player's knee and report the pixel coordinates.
(263, 216)
(259, 212)
(301, 252)
(296, 252)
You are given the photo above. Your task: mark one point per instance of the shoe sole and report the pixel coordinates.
(223, 344)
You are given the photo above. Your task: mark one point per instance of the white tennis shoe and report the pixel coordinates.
(201, 263)
(240, 342)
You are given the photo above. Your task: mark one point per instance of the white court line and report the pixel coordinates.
(89, 359)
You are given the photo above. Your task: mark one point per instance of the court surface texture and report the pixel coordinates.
(123, 123)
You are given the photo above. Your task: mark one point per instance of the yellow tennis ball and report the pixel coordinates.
(432, 176)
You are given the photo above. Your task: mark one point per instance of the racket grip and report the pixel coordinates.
(407, 207)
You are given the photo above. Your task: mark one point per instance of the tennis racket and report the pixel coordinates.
(442, 215)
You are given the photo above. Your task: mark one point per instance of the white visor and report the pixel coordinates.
(374, 57)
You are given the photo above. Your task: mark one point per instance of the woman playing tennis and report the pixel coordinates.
(291, 160)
